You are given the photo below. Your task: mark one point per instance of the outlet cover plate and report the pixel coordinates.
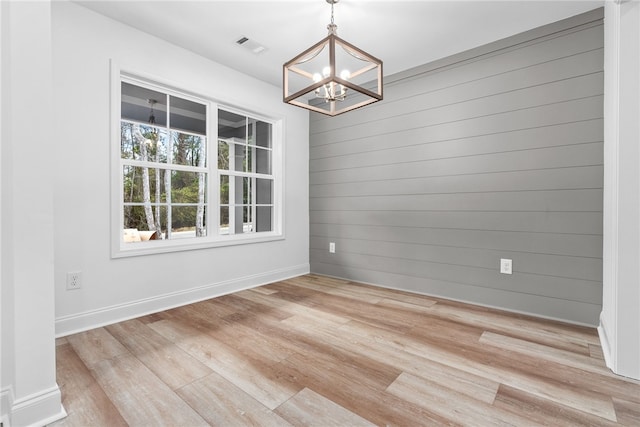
(506, 266)
(74, 280)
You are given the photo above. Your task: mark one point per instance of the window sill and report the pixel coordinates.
(153, 247)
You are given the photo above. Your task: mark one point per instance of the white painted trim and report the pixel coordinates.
(67, 325)
(119, 249)
(604, 343)
(607, 329)
(6, 400)
(38, 409)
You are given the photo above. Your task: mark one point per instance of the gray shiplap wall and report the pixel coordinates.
(492, 153)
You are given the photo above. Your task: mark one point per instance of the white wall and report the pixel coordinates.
(83, 45)
(620, 319)
(29, 391)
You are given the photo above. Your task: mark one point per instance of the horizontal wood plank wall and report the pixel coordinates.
(493, 153)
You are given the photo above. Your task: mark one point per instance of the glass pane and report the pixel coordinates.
(137, 227)
(162, 219)
(224, 220)
(128, 144)
(249, 166)
(240, 157)
(223, 155)
(238, 190)
(263, 134)
(231, 125)
(251, 124)
(263, 161)
(134, 218)
(189, 150)
(143, 105)
(263, 218)
(247, 216)
(224, 189)
(141, 185)
(247, 189)
(188, 115)
(187, 221)
(141, 142)
(244, 219)
(188, 187)
(264, 195)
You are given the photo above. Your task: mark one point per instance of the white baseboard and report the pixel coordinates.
(35, 410)
(6, 400)
(67, 325)
(605, 344)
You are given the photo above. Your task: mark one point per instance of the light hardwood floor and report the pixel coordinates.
(325, 352)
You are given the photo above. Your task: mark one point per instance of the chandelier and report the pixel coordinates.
(332, 76)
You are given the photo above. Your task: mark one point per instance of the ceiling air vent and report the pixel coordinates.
(251, 45)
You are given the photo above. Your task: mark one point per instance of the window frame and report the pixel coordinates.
(213, 238)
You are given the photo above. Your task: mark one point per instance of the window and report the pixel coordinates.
(192, 173)
(244, 166)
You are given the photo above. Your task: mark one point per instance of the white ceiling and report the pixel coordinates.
(404, 34)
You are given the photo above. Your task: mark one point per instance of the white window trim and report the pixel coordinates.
(120, 249)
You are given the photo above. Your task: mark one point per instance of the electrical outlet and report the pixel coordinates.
(74, 280)
(506, 266)
(332, 247)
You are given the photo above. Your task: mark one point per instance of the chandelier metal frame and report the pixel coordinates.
(327, 93)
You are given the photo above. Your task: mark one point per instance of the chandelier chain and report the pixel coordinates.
(332, 23)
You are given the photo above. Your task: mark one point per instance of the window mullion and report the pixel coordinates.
(167, 174)
(232, 189)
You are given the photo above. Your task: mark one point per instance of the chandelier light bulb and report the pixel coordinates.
(326, 71)
(317, 77)
(345, 74)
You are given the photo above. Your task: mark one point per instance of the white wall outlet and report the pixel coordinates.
(332, 247)
(506, 266)
(74, 280)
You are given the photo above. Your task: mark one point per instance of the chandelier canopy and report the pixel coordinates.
(332, 76)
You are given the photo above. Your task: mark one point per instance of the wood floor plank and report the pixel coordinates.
(221, 403)
(363, 397)
(545, 412)
(251, 342)
(308, 408)
(142, 398)
(244, 305)
(449, 355)
(463, 382)
(383, 317)
(586, 363)
(170, 363)
(358, 290)
(567, 337)
(595, 351)
(96, 345)
(563, 384)
(254, 377)
(264, 290)
(340, 290)
(582, 370)
(82, 397)
(314, 350)
(231, 330)
(447, 403)
(290, 307)
(402, 305)
(628, 412)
